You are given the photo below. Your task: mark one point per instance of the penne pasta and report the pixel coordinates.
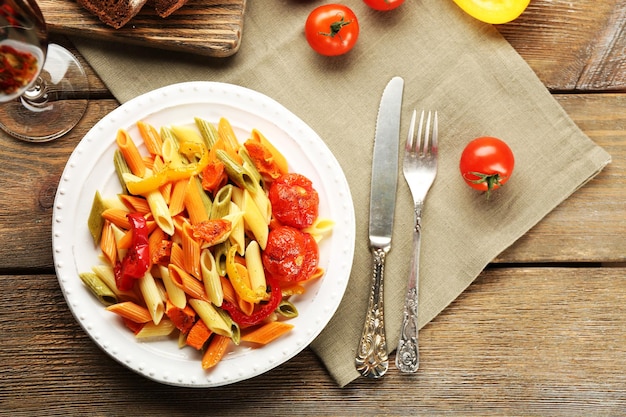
(194, 203)
(135, 203)
(177, 197)
(208, 132)
(107, 276)
(131, 154)
(117, 217)
(175, 294)
(254, 220)
(187, 283)
(278, 157)
(107, 243)
(191, 252)
(211, 278)
(267, 332)
(98, 288)
(209, 315)
(255, 267)
(221, 202)
(205, 274)
(262, 203)
(237, 235)
(152, 297)
(152, 331)
(320, 228)
(151, 137)
(131, 311)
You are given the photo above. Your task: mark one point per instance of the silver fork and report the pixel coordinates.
(419, 168)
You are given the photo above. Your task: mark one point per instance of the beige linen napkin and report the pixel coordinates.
(450, 62)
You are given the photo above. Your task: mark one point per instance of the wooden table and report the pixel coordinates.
(540, 332)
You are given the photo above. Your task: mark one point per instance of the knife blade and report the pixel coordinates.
(372, 360)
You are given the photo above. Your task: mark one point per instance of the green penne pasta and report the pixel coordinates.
(237, 173)
(249, 165)
(98, 288)
(221, 202)
(95, 222)
(220, 255)
(287, 309)
(121, 167)
(236, 337)
(208, 131)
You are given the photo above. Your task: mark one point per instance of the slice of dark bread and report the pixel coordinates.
(164, 8)
(115, 13)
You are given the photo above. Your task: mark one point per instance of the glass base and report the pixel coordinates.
(55, 103)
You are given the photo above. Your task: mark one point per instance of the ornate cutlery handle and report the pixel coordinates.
(371, 359)
(407, 354)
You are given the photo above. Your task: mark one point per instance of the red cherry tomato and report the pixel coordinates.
(331, 29)
(290, 254)
(294, 200)
(383, 4)
(486, 163)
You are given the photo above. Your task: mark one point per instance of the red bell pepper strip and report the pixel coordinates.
(258, 316)
(137, 259)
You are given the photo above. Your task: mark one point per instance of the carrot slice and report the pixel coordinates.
(215, 351)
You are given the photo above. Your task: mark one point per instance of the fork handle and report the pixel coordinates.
(371, 358)
(407, 354)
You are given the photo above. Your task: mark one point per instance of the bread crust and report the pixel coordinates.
(164, 8)
(115, 13)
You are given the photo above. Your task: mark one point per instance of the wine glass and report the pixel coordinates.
(43, 87)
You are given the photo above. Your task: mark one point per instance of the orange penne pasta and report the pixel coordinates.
(177, 197)
(148, 162)
(117, 217)
(229, 292)
(266, 333)
(130, 153)
(278, 157)
(189, 284)
(231, 144)
(107, 243)
(193, 203)
(126, 241)
(131, 311)
(215, 351)
(155, 240)
(135, 203)
(151, 137)
(176, 256)
(191, 252)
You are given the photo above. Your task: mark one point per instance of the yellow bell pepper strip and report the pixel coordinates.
(236, 277)
(493, 11)
(172, 174)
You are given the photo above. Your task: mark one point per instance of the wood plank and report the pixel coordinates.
(590, 226)
(530, 341)
(204, 27)
(561, 41)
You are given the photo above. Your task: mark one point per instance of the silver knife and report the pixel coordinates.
(371, 358)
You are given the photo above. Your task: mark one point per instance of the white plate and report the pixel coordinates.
(90, 168)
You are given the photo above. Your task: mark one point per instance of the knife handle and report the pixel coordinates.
(371, 359)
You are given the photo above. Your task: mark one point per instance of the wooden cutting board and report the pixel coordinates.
(204, 27)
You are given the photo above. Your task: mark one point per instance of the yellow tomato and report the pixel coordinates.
(493, 11)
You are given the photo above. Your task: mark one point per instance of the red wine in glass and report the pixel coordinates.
(43, 87)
